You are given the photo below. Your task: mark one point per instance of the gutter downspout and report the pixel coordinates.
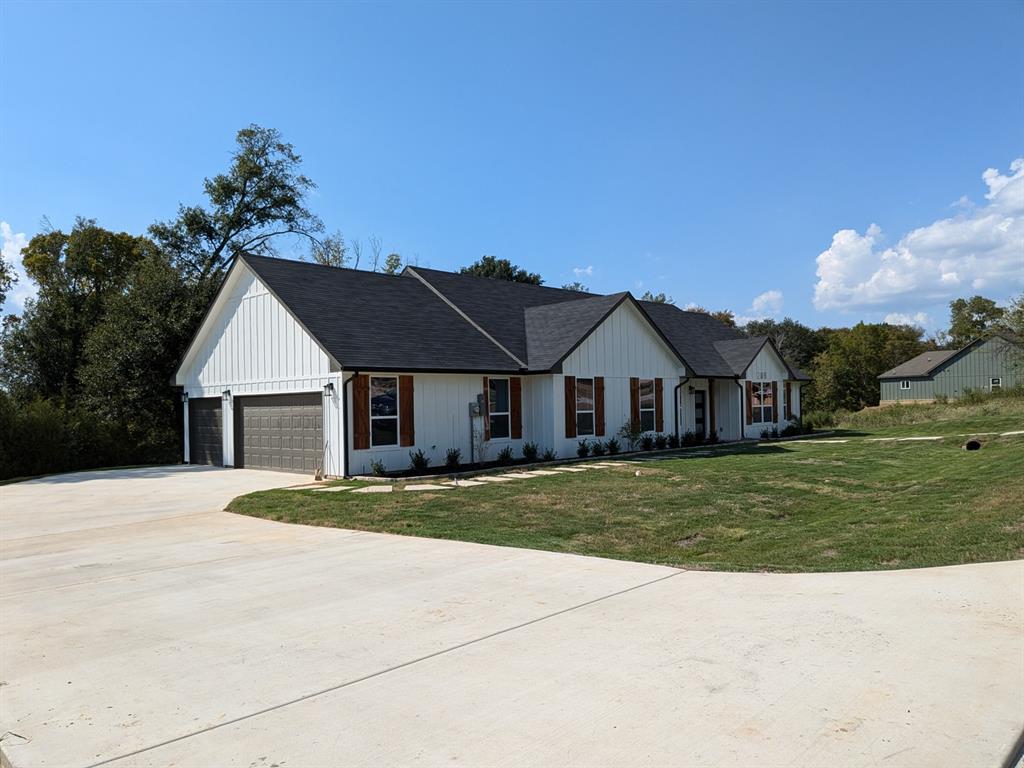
(344, 422)
(743, 433)
(675, 401)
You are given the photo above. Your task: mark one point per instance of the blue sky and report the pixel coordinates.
(823, 161)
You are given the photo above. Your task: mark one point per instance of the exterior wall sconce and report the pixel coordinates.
(226, 394)
(329, 388)
(184, 397)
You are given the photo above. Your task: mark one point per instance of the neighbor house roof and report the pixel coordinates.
(927, 362)
(430, 320)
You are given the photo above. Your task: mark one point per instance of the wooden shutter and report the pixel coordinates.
(711, 407)
(775, 402)
(486, 410)
(361, 412)
(750, 397)
(570, 406)
(659, 406)
(406, 412)
(599, 406)
(789, 401)
(634, 399)
(515, 407)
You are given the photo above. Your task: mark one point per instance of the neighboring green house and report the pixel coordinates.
(986, 364)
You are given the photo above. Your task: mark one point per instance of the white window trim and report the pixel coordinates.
(653, 409)
(757, 412)
(397, 417)
(507, 414)
(995, 382)
(591, 411)
(905, 384)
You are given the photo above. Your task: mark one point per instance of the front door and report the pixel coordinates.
(698, 413)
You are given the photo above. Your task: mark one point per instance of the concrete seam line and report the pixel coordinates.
(378, 673)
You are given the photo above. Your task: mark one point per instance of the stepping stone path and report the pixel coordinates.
(374, 489)
(427, 487)
(333, 489)
(464, 483)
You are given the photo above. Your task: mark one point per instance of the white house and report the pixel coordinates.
(308, 368)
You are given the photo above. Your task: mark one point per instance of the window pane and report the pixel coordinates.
(647, 393)
(585, 423)
(647, 421)
(383, 396)
(755, 395)
(499, 426)
(498, 395)
(384, 431)
(584, 394)
(766, 394)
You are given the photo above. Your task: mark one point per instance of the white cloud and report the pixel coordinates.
(981, 248)
(586, 271)
(11, 246)
(767, 303)
(919, 319)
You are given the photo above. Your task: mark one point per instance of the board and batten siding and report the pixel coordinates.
(767, 367)
(974, 369)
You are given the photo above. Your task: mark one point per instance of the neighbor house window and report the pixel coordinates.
(584, 406)
(497, 407)
(761, 402)
(647, 405)
(383, 410)
(905, 384)
(995, 383)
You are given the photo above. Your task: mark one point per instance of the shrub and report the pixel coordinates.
(377, 467)
(647, 443)
(613, 446)
(530, 451)
(453, 458)
(549, 455)
(712, 438)
(689, 438)
(631, 432)
(598, 448)
(942, 399)
(583, 449)
(418, 460)
(775, 430)
(817, 419)
(505, 456)
(792, 430)
(660, 441)
(766, 433)
(673, 440)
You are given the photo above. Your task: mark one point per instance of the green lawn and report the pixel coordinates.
(779, 506)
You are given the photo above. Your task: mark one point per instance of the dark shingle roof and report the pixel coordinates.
(693, 334)
(920, 365)
(554, 330)
(376, 321)
(739, 353)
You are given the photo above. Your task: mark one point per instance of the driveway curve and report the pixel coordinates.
(142, 626)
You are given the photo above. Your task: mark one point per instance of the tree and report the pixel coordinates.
(659, 298)
(260, 198)
(797, 343)
(501, 269)
(577, 286)
(7, 279)
(970, 318)
(725, 316)
(331, 251)
(1012, 319)
(77, 274)
(392, 264)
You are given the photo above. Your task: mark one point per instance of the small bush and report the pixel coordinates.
(673, 440)
(792, 430)
(689, 438)
(820, 419)
(505, 456)
(660, 441)
(647, 443)
(453, 458)
(377, 467)
(712, 438)
(613, 446)
(583, 449)
(942, 399)
(631, 432)
(530, 451)
(418, 460)
(766, 433)
(775, 431)
(549, 455)
(598, 448)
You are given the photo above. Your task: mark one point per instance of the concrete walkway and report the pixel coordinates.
(141, 627)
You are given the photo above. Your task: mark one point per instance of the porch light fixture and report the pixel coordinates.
(184, 397)
(226, 394)
(329, 388)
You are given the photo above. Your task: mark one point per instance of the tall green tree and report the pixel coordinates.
(970, 318)
(798, 343)
(260, 198)
(7, 280)
(661, 298)
(501, 269)
(392, 264)
(77, 273)
(577, 286)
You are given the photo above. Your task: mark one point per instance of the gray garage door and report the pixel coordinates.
(284, 432)
(205, 431)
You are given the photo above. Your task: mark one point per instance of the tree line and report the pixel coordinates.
(85, 369)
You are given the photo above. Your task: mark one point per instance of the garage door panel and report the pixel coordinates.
(282, 432)
(205, 431)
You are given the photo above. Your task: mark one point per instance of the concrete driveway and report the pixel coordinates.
(143, 627)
